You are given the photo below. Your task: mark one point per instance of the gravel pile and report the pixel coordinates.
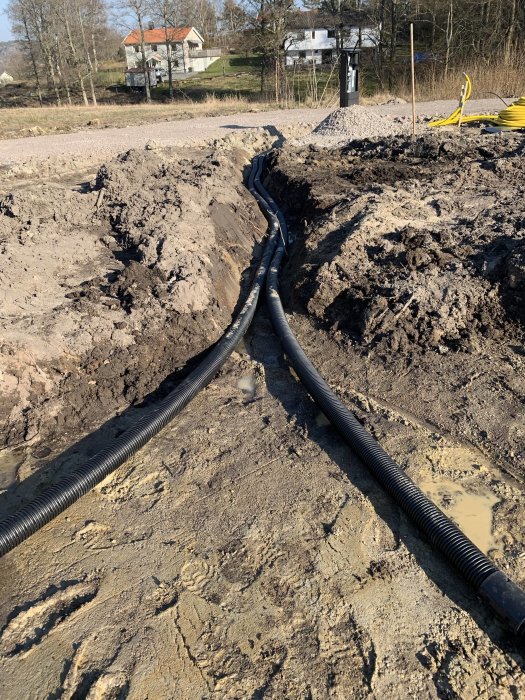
(349, 123)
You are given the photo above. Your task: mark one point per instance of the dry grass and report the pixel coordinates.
(33, 121)
(377, 98)
(488, 79)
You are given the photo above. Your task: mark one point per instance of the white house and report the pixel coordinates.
(184, 43)
(312, 41)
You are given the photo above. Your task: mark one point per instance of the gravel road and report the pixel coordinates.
(104, 142)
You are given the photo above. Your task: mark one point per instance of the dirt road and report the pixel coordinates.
(99, 144)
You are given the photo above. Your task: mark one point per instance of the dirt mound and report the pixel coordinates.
(112, 286)
(424, 284)
(411, 259)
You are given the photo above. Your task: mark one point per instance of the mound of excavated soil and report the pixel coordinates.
(413, 254)
(109, 288)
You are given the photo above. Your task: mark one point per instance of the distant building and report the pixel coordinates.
(187, 54)
(5, 78)
(313, 38)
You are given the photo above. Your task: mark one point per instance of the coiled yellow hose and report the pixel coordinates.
(512, 117)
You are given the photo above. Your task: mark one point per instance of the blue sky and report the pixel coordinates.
(5, 33)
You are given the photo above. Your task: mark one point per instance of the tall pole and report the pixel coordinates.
(413, 79)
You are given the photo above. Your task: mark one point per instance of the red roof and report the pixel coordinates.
(157, 36)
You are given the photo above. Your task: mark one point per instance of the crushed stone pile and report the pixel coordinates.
(352, 123)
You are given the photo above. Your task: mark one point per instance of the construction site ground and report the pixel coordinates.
(246, 552)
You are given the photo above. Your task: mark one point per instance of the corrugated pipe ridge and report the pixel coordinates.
(31, 517)
(505, 598)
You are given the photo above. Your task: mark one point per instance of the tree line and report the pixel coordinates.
(64, 40)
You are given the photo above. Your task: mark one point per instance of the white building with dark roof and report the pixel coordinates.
(313, 38)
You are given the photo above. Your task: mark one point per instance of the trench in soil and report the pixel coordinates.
(245, 545)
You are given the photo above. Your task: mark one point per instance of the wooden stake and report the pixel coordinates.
(464, 89)
(413, 79)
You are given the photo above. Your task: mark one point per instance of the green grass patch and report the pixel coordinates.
(250, 63)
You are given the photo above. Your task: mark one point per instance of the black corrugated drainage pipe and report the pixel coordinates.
(33, 516)
(504, 597)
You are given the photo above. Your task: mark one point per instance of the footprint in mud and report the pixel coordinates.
(197, 575)
(243, 561)
(31, 624)
(89, 674)
(97, 536)
(93, 535)
(132, 485)
(348, 649)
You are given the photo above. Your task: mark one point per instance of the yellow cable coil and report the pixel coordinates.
(511, 117)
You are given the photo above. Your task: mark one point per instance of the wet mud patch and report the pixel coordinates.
(109, 289)
(411, 255)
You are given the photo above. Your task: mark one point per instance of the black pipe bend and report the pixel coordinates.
(31, 517)
(504, 597)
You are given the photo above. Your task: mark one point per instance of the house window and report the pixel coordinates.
(331, 33)
(302, 55)
(313, 35)
(176, 63)
(137, 48)
(154, 47)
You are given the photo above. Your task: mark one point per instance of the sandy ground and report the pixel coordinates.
(245, 552)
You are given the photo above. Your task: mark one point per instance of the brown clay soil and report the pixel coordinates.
(245, 552)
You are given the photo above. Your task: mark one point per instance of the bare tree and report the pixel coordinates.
(59, 38)
(270, 23)
(138, 12)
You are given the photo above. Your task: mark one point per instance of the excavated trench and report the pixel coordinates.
(245, 551)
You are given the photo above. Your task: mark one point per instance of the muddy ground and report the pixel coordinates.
(111, 286)
(410, 260)
(245, 552)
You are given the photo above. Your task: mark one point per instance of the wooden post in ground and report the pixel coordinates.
(464, 89)
(413, 79)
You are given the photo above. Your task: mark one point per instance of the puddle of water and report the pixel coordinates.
(472, 512)
(10, 462)
(247, 385)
